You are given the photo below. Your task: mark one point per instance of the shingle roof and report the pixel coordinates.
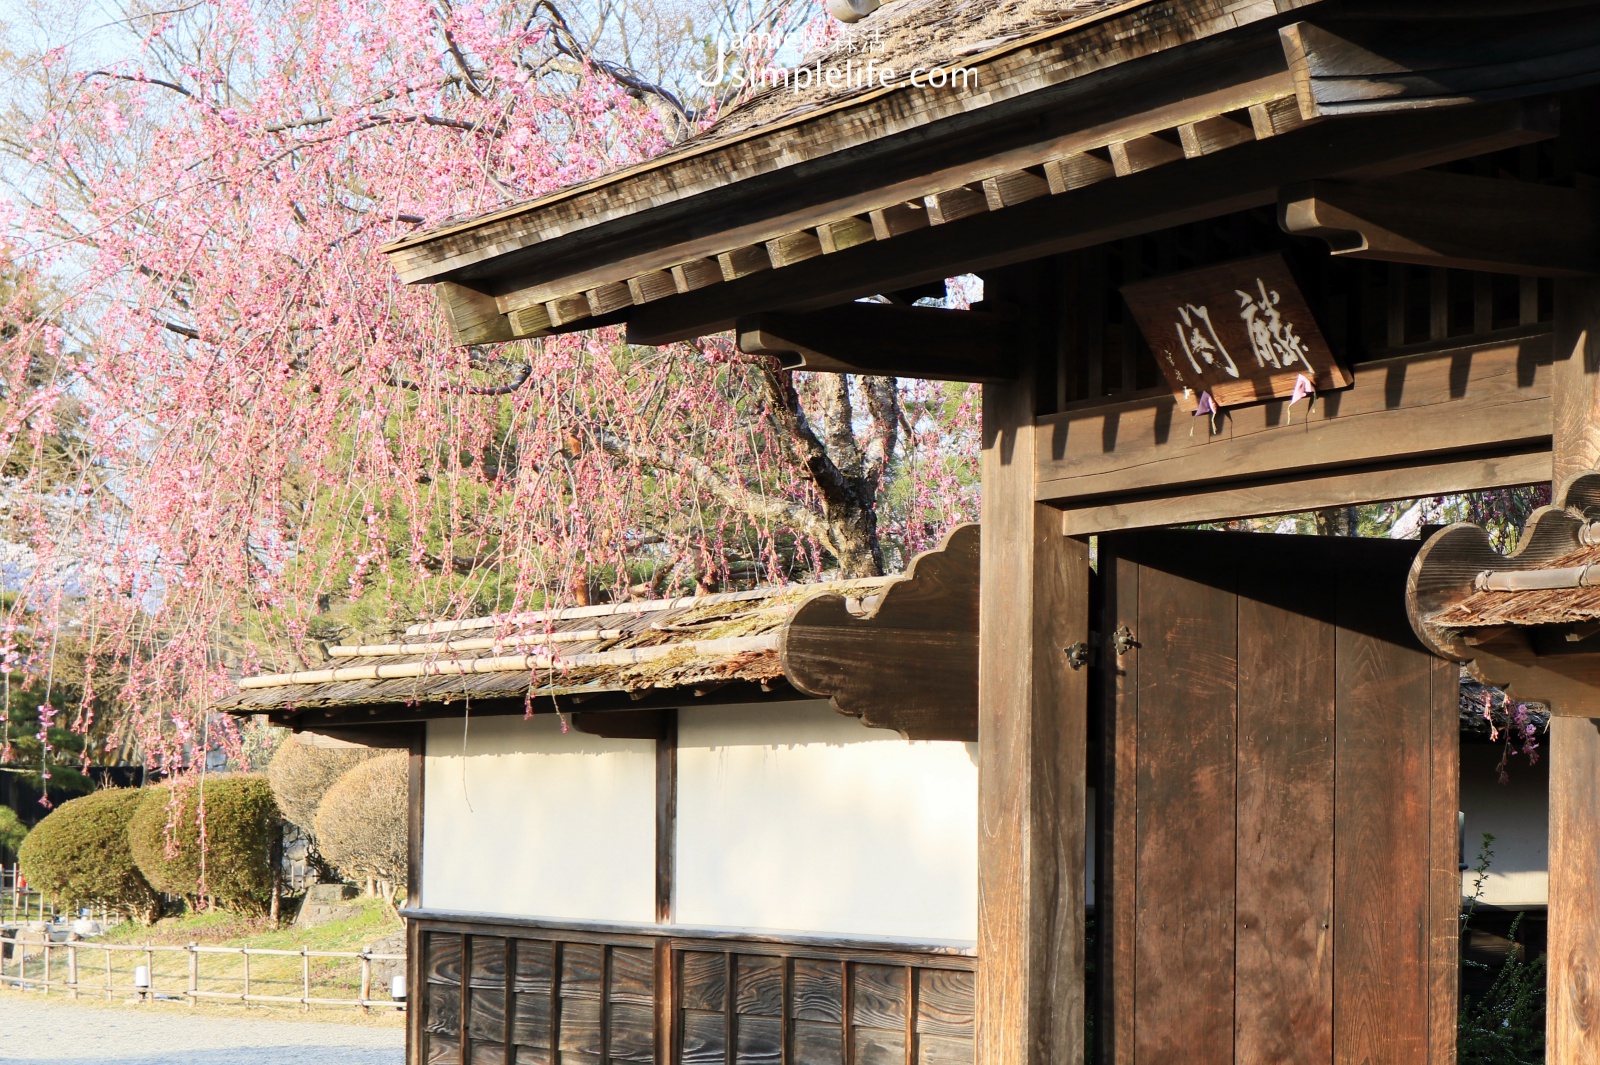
(902, 35)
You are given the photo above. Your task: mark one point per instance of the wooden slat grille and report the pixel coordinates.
(542, 998)
(1367, 310)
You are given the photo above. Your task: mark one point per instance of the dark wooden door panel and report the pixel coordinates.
(1185, 820)
(1381, 825)
(1278, 884)
(1284, 1011)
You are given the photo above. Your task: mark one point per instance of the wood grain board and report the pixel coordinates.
(1574, 973)
(1032, 710)
(1240, 332)
(1285, 801)
(590, 999)
(1184, 925)
(1286, 765)
(911, 662)
(1433, 404)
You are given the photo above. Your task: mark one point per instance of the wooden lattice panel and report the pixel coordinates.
(545, 998)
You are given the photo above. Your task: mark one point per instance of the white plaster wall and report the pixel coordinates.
(1518, 815)
(533, 822)
(794, 817)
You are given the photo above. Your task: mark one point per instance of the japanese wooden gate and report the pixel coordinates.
(1427, 170)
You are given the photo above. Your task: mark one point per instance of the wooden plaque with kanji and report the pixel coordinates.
(1240, 331)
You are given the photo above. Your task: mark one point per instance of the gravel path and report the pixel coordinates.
(56, 1032)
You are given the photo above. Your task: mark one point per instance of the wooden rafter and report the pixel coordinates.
(1244, 176)
(1201, 126)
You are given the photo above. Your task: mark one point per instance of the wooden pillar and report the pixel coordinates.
(1031, 730)
(414, 807)
(1573, 1020)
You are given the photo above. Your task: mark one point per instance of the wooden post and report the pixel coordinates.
(305, 978)
(110, 990)
(1032, 713)
(149, 975)
(246, 997)
(414, 900)
(46, 984)
(72, 968)
(366, 980)
(194, 973)
(1573, 1018)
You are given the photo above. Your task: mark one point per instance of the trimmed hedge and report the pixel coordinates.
(361, 824)
(80, 855)
(241, 827)
(12, 830)
(302, 774)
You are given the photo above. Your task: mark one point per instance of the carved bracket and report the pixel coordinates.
(1451, 220)
(908, 664)
(1550, 654)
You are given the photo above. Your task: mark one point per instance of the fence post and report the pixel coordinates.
(47, 962)
(72, 968)
(305, 978)
(366, 980)
(194, 973)
(110, 992)
(246, 997)
(150, 975)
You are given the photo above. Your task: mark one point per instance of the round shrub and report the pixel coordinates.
(241, 823)
(12, 830)
(361, 824)
(302, 774)
(80, 855)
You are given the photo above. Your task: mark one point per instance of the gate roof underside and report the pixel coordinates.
(1076, 123)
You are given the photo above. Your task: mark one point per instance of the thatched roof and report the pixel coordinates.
(1535, 606)
(626, 647)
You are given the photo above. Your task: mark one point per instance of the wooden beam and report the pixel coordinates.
(473, 316)
(1390, 63)
(1295, 494)
(1452, 220)
(1032, 711)
(1434, 404)
(1237, 179)
(418, 735)
(666, 813)
(1573, 1017)
(883, 338)
(355, 738)
(911, 662)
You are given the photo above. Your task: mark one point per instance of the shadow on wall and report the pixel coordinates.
(299, 1054)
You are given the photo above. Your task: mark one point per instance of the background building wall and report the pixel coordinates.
(534, 822)
(792, 816)
(1517, 814)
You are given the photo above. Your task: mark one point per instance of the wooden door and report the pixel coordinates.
(1280, 877)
